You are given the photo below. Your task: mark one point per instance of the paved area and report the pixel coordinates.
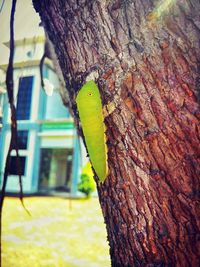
(59, 233)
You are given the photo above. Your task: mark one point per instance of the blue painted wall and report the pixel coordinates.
(50, 108)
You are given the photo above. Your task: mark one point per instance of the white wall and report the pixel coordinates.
(26, 24)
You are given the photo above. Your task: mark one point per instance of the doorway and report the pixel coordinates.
(55, 169)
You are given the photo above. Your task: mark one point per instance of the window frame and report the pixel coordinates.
(31, 97)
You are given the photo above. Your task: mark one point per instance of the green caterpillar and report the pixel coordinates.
(90, 111)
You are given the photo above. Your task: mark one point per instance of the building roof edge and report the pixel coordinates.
(27, 41)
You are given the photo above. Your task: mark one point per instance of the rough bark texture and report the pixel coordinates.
(147, 56)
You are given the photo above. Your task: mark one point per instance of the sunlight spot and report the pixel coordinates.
(161, 9)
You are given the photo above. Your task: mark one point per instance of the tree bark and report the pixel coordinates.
(147, 57)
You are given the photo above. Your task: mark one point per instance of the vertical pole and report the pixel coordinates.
(75, 165)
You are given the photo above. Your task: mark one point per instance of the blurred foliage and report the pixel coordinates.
(87, 184)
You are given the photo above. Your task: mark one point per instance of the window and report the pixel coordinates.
(13, 170)
(22, 139)
(24, 98)
(22, 144)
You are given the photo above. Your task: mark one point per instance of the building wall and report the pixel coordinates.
(28, 125)
(29, 49)
(55, 100)
(49, 127)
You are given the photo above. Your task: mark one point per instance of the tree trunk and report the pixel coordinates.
(146, 55)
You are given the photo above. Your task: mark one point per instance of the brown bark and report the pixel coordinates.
(148, 60)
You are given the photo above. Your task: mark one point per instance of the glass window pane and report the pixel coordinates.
(24, 98)
(22, 139)
(13, 170)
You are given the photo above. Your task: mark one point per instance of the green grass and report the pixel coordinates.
(59, 233)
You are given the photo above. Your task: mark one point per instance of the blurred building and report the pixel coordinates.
(2, 93)
(48, 145)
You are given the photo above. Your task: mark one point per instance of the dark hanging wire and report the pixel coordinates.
(13, 141)
(9, 85)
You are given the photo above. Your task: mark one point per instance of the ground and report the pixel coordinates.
(59, 233)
